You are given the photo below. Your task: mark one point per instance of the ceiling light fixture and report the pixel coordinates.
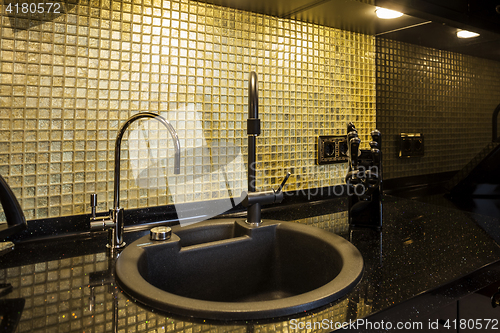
(466, 34)
(387, 14)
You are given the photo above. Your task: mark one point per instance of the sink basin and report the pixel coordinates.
(229, 270)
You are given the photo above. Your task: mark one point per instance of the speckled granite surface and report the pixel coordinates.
(425, 257)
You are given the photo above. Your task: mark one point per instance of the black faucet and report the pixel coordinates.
(364, 180)
(254, 200)
(13, 214)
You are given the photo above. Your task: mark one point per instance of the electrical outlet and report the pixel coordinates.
(332, 149)
(411, 145)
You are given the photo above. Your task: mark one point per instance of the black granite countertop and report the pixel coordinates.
(425, 258)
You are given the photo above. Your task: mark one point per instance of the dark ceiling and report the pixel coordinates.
(431, 23)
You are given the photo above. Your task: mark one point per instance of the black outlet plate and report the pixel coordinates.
(332, 149)
(411, 145)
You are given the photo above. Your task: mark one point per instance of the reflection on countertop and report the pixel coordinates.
(423, 250)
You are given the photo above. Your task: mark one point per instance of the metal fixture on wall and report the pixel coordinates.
(411, 145)
(332, 149)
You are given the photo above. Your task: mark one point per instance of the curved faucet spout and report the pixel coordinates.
(114, 221)
(253, 128)
(118, 142)
(253, 96)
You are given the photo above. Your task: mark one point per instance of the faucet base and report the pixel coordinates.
(112, 241)
(118, 246)
(253, 214)
(253, 224)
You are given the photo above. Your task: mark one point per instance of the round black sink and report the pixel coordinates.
(229, 270)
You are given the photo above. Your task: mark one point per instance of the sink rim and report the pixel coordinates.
(144, 292)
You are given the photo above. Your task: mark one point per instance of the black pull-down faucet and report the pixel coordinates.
(254, 200)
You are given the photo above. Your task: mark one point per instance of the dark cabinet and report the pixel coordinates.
(479, 14)
(456, 5)
(473, 313)
(487, 12)
(477, 313)
(445, 18)
(429, 23)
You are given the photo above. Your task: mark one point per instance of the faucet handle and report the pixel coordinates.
(264, 197)
(278, 194)
(351, 127)
(351, 135)
(101, 222)
(377, 137)
(354, 152)
(280, 188)
(93, 205)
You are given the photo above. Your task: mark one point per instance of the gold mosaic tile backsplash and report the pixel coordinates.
(449, 97)
(68, 83)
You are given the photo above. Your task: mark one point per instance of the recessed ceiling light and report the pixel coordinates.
(387, 14)
(466, 34)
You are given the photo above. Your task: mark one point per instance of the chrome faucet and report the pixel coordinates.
(254, 200)
(114, 221)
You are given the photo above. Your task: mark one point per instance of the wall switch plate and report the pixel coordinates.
(411, 145)
(332, 149)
